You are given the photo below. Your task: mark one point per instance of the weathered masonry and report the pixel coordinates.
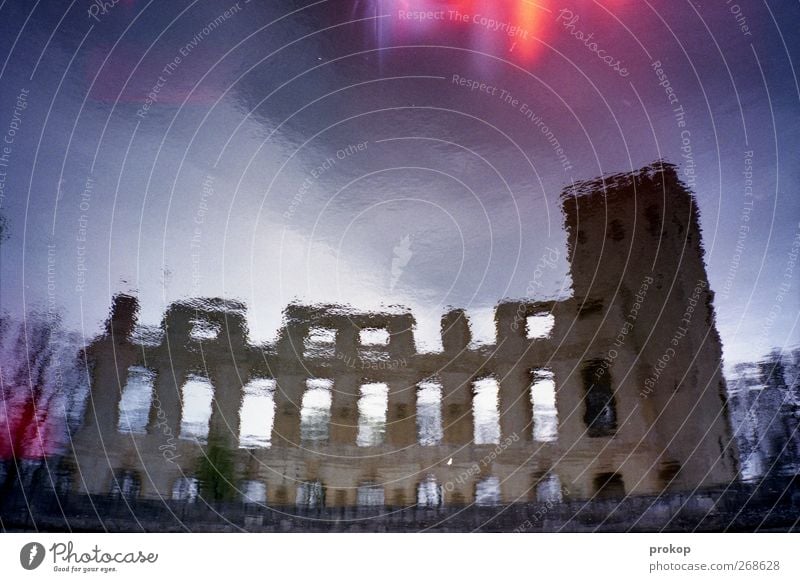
(617, 390)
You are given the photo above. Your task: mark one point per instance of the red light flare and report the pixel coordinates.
(510, 29)
(533, 17)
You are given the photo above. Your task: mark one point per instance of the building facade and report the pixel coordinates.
(616, 390)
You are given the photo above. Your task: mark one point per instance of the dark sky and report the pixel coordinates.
(330, 151)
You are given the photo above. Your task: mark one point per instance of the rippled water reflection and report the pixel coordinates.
(306, 263)
(212, 417)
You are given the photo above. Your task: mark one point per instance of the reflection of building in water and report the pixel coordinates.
(623, 394)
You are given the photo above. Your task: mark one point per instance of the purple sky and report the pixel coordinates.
(366, 153)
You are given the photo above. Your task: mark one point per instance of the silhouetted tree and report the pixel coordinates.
(216, 472)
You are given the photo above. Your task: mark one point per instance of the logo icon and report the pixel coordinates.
(31, 555)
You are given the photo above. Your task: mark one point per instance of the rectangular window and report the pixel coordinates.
(372, 408)
(150, 336)
(257, 414)
(254, 492)
(136, 400)
(370, 337)
(600, 415)
(487, 491)
(203, 330)
(543, 399)
(125, 484)
(310, 495)
(198, 394)
(373, 350)
(429, 493)
(369, 495)
(315, 411)
(320, 343)
(186, 489)
(485, 412)
(609, 486)
(482, 326)
(429, 414)
(548, 489)
(539, 325)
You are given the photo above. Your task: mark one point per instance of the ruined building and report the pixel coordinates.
(615, 391)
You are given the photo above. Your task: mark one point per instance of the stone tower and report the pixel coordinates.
(647, 353)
